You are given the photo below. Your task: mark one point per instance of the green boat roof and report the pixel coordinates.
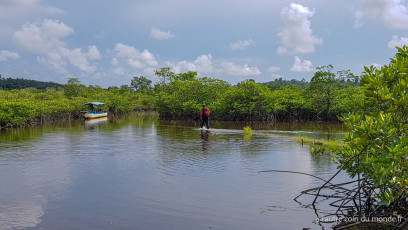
(95, 103)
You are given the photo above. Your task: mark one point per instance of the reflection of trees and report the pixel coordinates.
(137, 120)
(322, 161)
(32, 133)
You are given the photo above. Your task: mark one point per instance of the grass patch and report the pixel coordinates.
(248, 132)
(317, 146)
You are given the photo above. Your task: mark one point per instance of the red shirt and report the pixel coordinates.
(205, 112)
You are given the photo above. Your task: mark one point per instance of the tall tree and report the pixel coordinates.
(323, 88)
(188, 76)
(141, 84)
(73, 88)
(164, 74)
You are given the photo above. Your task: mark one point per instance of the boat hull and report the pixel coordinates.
(95, 115)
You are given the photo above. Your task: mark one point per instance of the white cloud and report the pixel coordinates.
(392, 13)
(276, 76)
(241, 44)
(6, 55)
(148, 58)
(125, 51)
(45, 40)
(296, 33)
(93, 53)
(281, 50)
(273, 68)
(78, 59)
(183, 66)
(397, 41)
(301, 66)
(119, 71)
(55, 61)
(14, 13)
(239, 70)
(42, 38)
(160, 35)
(133, 57)
(203, 64)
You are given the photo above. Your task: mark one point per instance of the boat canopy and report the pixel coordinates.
(94, 103)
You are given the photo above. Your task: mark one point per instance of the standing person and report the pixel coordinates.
(205, 116)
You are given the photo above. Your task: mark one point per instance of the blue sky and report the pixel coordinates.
(109, 42)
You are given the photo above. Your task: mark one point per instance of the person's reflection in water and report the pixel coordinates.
(205, 140)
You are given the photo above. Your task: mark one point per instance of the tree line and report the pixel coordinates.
(20, 83)
(180, 96)
(325, 97)
(31, 105)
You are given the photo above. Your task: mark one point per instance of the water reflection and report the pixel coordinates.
(93, 122)
(30, 177)
(20, 215)
(205, 140)
(139, 172)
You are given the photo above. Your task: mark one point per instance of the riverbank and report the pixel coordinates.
(180, 97)
(32, 106)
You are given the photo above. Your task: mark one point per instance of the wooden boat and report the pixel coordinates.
(96, 110)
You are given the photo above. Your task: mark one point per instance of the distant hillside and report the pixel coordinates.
(20, 83)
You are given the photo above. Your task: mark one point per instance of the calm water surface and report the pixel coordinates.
(137, 172)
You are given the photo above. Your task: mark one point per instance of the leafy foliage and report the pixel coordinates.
(18, 107)
(248, 101)
(141, 84)
(180, 96)
(279, 82)
(377, 144)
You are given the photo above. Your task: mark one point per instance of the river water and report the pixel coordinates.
(136, 172)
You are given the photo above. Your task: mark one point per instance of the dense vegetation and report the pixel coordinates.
(20, 83)
(30, 105)
(180, 96)
(326, 97)
(279, 82)
(377, 145)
